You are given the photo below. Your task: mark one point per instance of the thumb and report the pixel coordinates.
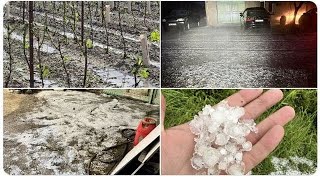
(163, 110)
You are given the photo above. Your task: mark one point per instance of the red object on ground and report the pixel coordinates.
(144, 128)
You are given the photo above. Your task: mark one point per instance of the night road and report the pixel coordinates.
(228, 57)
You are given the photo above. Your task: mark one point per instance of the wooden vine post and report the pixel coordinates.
(107, 18)
(129, 6)
(145, 49)
(148, 7)
(8, 10)
(111, 4)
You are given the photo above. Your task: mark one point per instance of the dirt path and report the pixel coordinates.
(12, 101)
(58, 132)
(16, 105)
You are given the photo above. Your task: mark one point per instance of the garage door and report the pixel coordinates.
(228, 11)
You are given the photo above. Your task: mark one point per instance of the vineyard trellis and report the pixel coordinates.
(81, 44)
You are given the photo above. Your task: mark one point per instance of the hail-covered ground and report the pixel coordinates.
(292, 166)
(58, 132)
(228, 57)
(107, 65)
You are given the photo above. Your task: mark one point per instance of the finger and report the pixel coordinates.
(243, 97)
(163, 110)
(280, 117)
(263, 147)
(255, 108)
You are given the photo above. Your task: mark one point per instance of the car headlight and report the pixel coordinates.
(164, 20)
(180, 19)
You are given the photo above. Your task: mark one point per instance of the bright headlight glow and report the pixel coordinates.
(180, 19)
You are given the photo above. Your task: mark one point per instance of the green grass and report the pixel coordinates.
(300, 134)
(135, 95)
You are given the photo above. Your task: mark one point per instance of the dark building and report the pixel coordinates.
(227, 12)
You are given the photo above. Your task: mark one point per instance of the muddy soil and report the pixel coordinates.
(67, 132)
(97, 32)
(104, 69)
(99, 64)
(100, 73)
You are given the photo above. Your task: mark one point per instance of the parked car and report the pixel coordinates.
(255, 17)
(308, 21)
(179, 20)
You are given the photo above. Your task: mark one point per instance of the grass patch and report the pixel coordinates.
(300, 134)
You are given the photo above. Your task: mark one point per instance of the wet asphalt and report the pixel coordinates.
(228, 57)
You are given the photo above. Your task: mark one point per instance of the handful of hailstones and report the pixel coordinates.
(220, 139)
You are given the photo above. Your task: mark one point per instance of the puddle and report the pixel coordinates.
(44, 48)
(116, 51)
(116, 78)
(156, 64)
(103, 46)
(126, 36)
(46, 82)
(37, 81)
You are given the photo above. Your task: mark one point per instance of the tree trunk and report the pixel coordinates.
(39, 59)
(82, 23)
(85, 65)
(152, 95)
(23, 10)
(31, 43)
(121, 32)
(102, 10)
(90, 17)
(296, 9)
(53, 10)
(97, 8)
(64, 21)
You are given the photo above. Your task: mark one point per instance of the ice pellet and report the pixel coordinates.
(220, 139)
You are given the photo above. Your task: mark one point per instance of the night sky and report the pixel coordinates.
(193, 6)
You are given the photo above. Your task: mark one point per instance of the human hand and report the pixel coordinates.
(177, 143)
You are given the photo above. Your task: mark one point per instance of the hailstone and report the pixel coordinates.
(236, 169)
(247, 146)
(221, 139)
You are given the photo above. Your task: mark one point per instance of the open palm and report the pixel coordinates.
(178, 142)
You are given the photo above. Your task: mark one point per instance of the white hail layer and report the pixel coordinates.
(220, 139)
